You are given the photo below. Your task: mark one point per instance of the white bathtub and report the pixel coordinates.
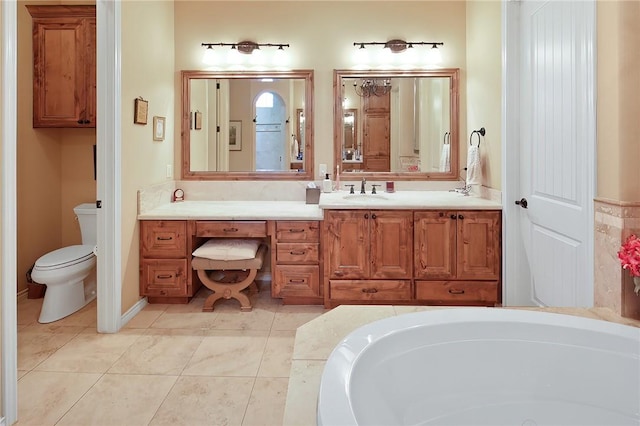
(483, 366)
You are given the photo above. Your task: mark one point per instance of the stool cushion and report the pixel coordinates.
(213, 264)
(228, 249)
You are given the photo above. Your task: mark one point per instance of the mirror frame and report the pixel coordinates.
(306, 174)
(338, 124)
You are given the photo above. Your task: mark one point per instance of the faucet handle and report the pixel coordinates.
(351, 191)
(373, 188)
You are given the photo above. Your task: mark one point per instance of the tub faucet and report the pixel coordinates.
(362, 191)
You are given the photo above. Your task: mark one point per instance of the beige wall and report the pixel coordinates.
(54, 168)
(618, 103)
(484, 85)
(147, 71)
(321, 35)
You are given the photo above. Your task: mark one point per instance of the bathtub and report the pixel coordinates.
(483, 366)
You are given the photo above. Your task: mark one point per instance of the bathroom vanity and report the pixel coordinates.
(410, 247)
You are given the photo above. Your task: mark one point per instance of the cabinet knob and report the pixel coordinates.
(455, 291)
(164, 238)
(460, 216)
(366, 215)
(453, 216)
(373, 216)
(230, 229)
(370, 290)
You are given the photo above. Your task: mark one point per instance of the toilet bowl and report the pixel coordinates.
(69, 272)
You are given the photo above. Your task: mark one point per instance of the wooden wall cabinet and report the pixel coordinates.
(457, 257)
(368, 255)
(64, 59)
(296, 259)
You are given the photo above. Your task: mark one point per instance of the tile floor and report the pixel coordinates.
(171, 364)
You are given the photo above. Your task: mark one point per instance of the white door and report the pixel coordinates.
(552, 250)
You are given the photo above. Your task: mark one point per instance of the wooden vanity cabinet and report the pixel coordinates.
(165, 261)
(457, 257)
(368, 256)
(296, 259)
(64, 59)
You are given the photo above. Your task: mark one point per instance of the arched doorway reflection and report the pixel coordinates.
(270, 132)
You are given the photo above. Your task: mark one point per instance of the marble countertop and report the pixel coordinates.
(316, 339)
(406, 200)
(234, 210)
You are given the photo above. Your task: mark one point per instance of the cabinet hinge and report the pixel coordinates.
(98, 204)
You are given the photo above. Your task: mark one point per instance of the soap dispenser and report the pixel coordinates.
(326, 184)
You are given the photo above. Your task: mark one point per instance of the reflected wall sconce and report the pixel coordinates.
(397, 46)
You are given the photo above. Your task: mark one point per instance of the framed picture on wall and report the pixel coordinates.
(158, 128)
(140, 109)
(235, 135)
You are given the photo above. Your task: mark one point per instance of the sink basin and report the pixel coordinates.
(365, 197)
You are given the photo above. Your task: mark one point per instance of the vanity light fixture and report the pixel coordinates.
(433, 55)
(246, 47)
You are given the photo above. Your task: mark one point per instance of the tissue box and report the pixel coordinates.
(313, 195)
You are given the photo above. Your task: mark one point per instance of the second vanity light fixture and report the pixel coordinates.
(397, 46)
(245, 47)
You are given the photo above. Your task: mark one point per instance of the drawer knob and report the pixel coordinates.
(455, 291)
(296, 230)
(164, 238)
(370, 290)
(297, 253)
(297, 281)
(230, 229)
(164, 276)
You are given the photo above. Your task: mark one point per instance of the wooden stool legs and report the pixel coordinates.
(228, 290)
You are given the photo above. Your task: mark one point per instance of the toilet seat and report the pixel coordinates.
(64, 257)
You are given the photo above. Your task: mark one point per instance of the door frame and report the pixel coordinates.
(515, 268)
(109, 316)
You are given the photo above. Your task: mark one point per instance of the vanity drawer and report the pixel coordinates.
(297, 253)
(458, 292)
(294, 231)
(240, 229)
(296, 280)
(163, 277)
(163, 238)
(370, 290)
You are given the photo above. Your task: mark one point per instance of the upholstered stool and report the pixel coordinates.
(227, 278)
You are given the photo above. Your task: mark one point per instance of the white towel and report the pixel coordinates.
(474, 168)
(445, 158)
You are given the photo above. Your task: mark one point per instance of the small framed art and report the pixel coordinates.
(158, 128)
(235, 135)
(140, 110)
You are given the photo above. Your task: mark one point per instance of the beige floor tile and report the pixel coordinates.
(151, 354)
(290, 317)
(44, 397)
(276, 359)
(33, 348)
(266, 405)
(197, 401)
(143, 319)
(29, 311)
(120, 400)
(302, 393)
(85, 317)
(257, 319)
(89, 353)
(176, 332)
(228, 353)
(22, 373)
(184, 320)
(52, 328)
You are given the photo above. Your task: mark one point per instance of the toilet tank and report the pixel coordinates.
(88, 219)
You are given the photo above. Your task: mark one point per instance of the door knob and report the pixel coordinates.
(522, 203)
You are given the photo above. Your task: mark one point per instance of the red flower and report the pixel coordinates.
(629, 255)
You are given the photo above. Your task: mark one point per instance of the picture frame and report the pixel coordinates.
(158, 128)
(198, 120)
(140, 110)
(235, 135)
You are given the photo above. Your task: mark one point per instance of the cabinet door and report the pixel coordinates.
(391, 244)
(64, 76)
(347, 243)
(478, 245)
(435, 244)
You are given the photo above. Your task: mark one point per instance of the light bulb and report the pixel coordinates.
(434, 56)
(210, 56)
(361, 57)
(257, 57)
(234, 57)
(280, 58)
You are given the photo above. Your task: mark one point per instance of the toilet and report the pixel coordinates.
(69, 272)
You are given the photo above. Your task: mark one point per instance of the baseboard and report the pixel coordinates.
(133, 311)
(22, 295)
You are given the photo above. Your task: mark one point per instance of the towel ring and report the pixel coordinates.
(447, 138)
(479, 133)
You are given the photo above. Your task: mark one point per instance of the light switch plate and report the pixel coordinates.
(169, 171)
(322, 170)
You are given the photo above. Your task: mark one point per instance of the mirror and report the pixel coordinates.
(405, 124)
(247, 125)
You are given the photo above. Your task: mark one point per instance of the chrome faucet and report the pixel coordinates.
(364, 181)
